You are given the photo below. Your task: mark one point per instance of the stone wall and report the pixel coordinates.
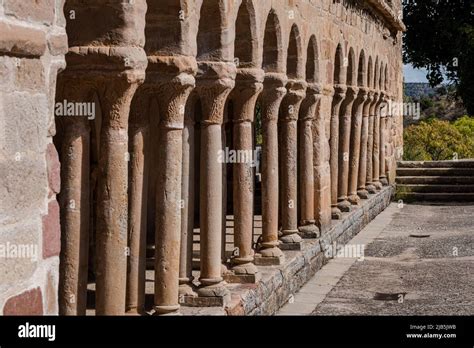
(33, 43)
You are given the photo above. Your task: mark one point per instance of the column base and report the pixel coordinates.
(384, 181)
(171, 314)
(216, 295)
(371, 189)
(354, 199)
(186, 290)
(378, 185)
(336, 214)
(134, 312)
(344, 206)
(243, 274)
(290, 240)
(269, 260)
(269, 257)
(309, 231)
(363, 194)
(160, 310)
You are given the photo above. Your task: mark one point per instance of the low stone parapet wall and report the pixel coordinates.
(279, 283)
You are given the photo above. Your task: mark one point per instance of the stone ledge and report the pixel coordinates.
(388, 14)
(278, 283)
(22, 41)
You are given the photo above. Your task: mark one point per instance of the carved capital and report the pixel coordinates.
(314, 89)
(116, 100)
(351, 93)
(328, 90)
(296, 91)
(273, 92)
(362, 95)
(339, 93)
(248, 85)
(309, 104)
(215, 81)
(172, 96)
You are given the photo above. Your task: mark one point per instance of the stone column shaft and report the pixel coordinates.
(273, 92)
(112, 200)
(362, 172)
(339, 95)
(172, 92)
(289, 134)
(370, 146)
(214, 85)
(376, 150)
(135, 300)
(249, 84)
(306, 168)
(344, 148)
(74, 202)
(187, 195)
(356, 145)
(321, 152)
(383, 144)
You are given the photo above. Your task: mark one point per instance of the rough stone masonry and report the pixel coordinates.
(173, 83)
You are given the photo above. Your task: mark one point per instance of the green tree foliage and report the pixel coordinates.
(440, 38)
(436, 140)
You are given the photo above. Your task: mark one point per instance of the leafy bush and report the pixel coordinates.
(435, 140)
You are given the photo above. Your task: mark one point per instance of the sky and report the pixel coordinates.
(414, 75)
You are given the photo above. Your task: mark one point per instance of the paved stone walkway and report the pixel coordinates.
(418, 260)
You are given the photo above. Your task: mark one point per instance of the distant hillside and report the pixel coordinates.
(441, 102)
(417, 90)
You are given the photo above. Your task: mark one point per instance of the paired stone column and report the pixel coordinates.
(112, 197)
(383, 135)
(173, 78)
(364, 139)
(321, 152)
(308, 228)
(74, 200)
(248, 85)
(376, 150)
(274, 90)
(215, 82)
(339, 95)
(289, 111)
(355, 145)
(370, 145)
(138, 188)
(344, 148)
(187, 196)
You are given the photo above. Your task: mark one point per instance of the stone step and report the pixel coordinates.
(441, 180)
(435, 172)
(436, 197)
(437, 164)
(435, 188)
